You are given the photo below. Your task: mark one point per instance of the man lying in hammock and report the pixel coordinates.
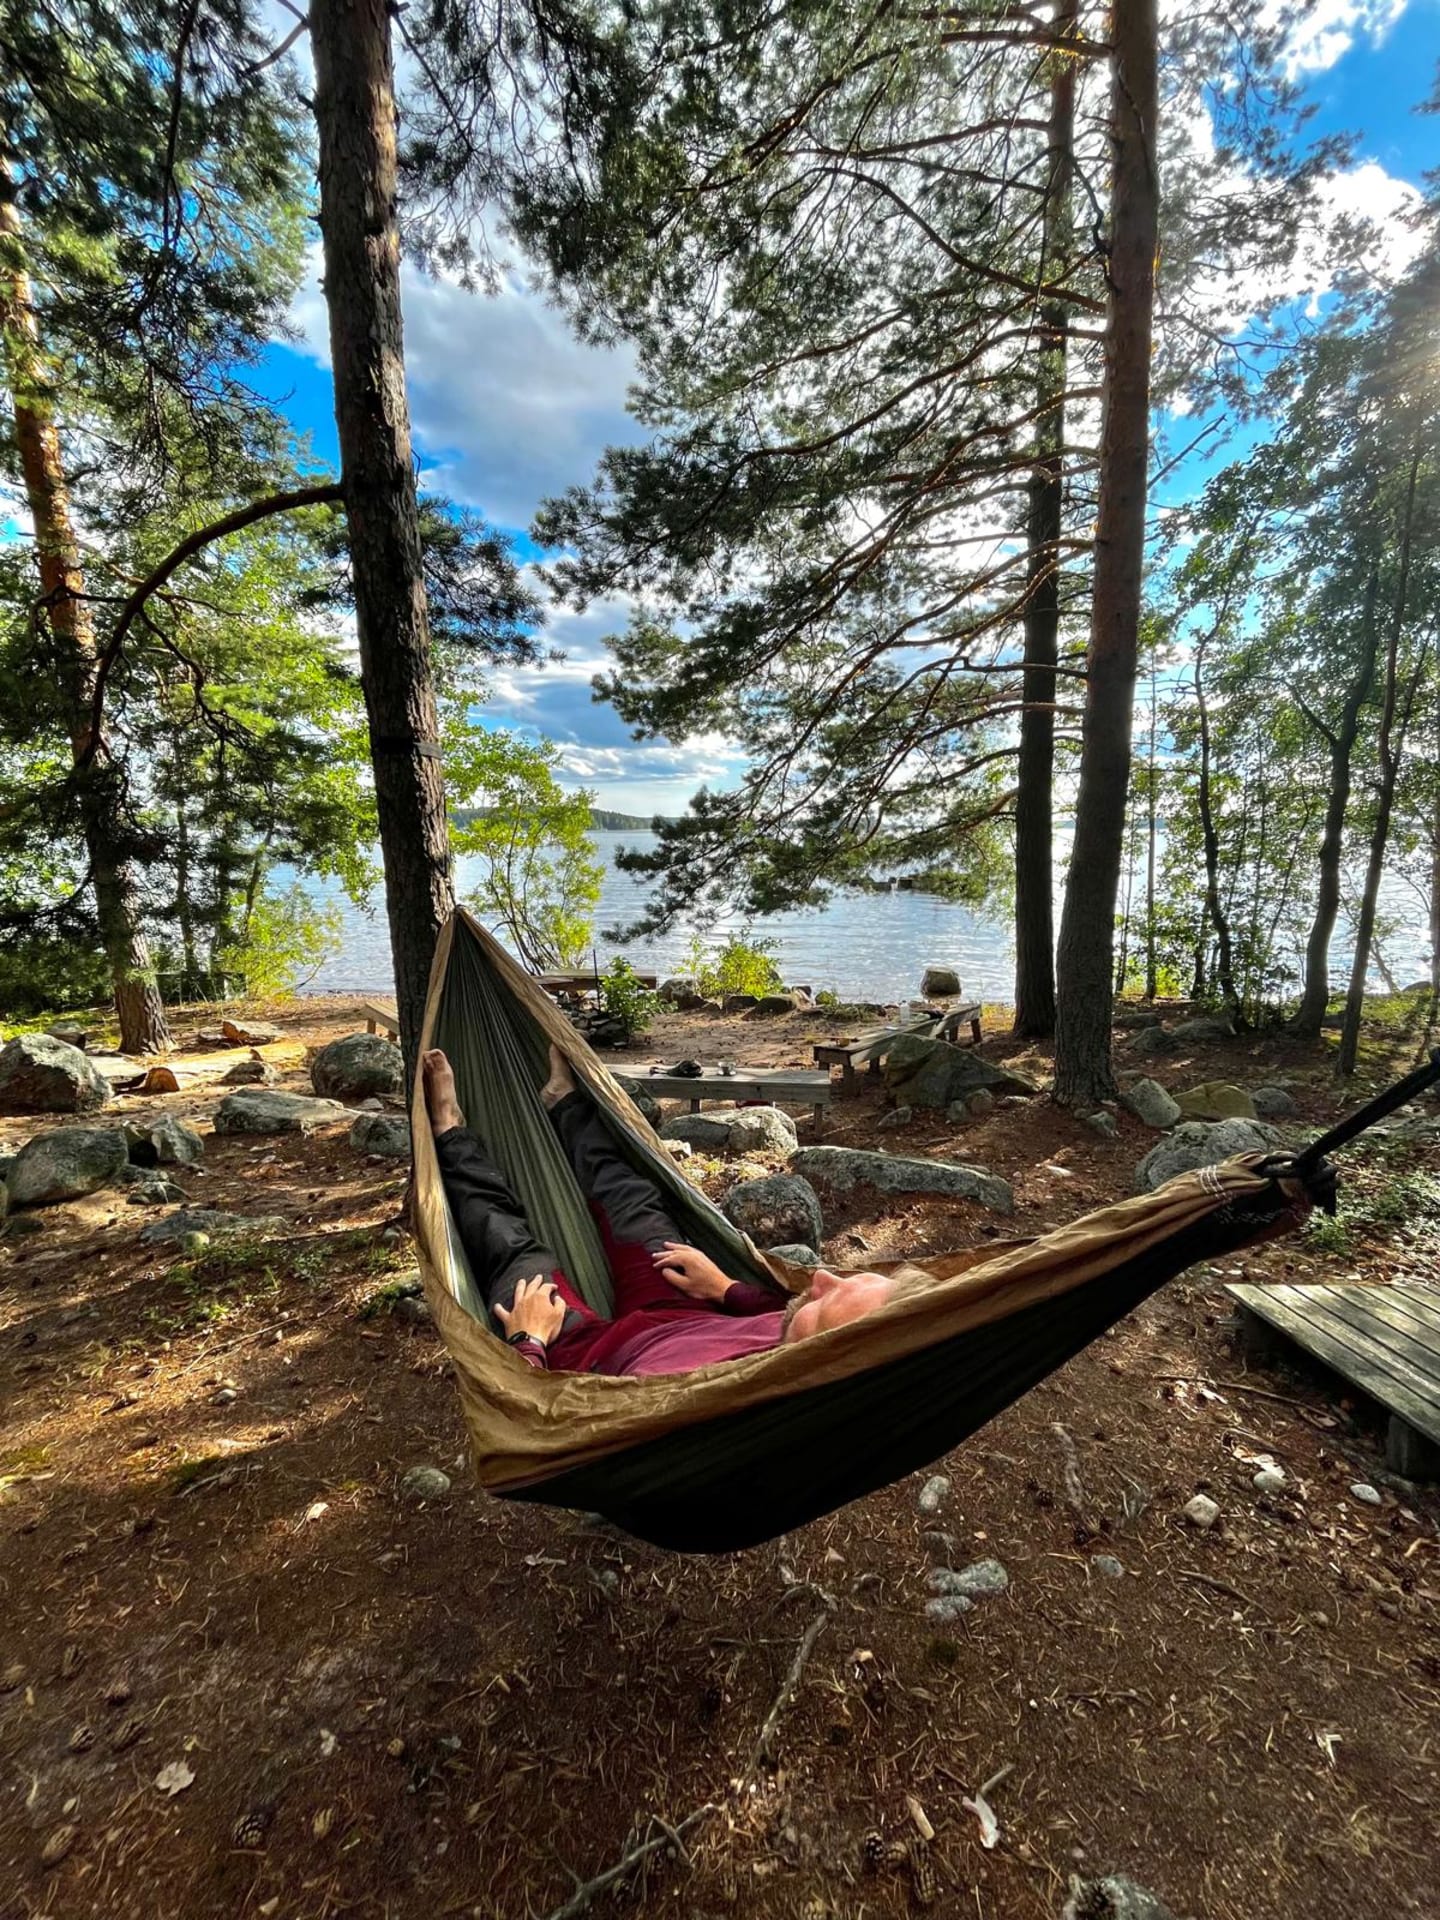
(674, 1309)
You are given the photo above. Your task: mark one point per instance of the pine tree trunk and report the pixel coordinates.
(1152, 968)
(1315, 995)
(1084, 1001)
(1214, 905)
(355, 116)
(1034, 800)
(1388, 754)
(138, 1005)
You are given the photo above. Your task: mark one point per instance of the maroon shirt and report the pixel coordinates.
(667, 1339)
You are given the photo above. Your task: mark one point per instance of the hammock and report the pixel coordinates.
(735, 1453)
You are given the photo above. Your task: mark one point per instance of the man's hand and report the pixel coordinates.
(537, 1309)
(689, 1271)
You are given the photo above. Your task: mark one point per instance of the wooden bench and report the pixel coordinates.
(1385, 1340)
(377, 1017)
(869, 1049)
(585, 981)
(775, 1086)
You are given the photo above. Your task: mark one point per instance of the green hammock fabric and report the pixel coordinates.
(737, 1452)
(500, 1055)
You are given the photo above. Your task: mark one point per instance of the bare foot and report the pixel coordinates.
(440, 1096)
(561, 1081)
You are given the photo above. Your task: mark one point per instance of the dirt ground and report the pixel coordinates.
(364, 1705)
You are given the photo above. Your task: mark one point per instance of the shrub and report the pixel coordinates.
(741, 966)
(625, 999)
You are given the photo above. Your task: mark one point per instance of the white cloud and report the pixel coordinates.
(506, 404)
(1325, 31)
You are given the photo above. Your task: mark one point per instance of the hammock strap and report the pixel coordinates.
(1307, 1164)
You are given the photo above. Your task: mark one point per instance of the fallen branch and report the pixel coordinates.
(1220, 1586)
(586, 1890)
(761, 1751)
(673, 1836)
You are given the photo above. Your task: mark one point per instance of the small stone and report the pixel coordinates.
(1202, 1512)
(156, 1193)
(981, 1102)
(796, 1253)
(417, 1312)
(392, 1236)
(1102, 1123)
(424, 1483)
(357, 1066)
(1269, 1480)
(382, 1133)
(941, 1544)
(226, 1397)
(1108, 1565)
(977, 1581)
(256, 1112)
(948, 1606)
(249, 1033)
(934, 1494)
(1369, 1496)
(901, 1117)
(253, 1072)
(939, 983)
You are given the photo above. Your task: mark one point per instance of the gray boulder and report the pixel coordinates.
(1116, 1897)
(249, 1033)
(1201, 1143)
(932, 1073)
(939, 982)
(387, 1133)
(775, 1210)
(156, 1191)
(1206, 1026)
(65, 1164)
(1148, 1041)
(739, 1002)
(39, 1074)
(1273, 1103)
(214, 1221)
(734, 1130)
(254, 1110)
(1150, 1103)
(650, 1109)
(901, 1117)
(166, 1142)
(357, 1065)
(797, 1254)
(679, 987)
(770, 1004)
(253, 1072)
(842, 1168)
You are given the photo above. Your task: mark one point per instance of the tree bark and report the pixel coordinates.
(1388, 752)
(1034, 800)
(1214, 904)
(1085, 1000)
(1315, 994)
(99, 787)
(355, 117)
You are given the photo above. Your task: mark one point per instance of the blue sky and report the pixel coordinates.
(508, 407)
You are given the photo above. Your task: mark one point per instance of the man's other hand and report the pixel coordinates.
(692, 1272)
(537, 1309)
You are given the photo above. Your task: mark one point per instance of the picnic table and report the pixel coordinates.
(773, 1086)
(869, 1049)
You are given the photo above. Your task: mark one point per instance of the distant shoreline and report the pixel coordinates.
(601, 819)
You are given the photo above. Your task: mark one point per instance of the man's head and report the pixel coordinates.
(832, 1300)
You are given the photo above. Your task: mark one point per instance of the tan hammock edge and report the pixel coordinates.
(526, 1426)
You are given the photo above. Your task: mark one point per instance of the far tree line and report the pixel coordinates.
(909, 295)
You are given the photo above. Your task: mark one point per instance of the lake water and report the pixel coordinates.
(865, 946)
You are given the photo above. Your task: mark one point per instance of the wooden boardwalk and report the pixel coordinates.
(1383, 1340)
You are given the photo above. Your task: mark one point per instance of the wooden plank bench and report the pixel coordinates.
(776, 1086)
(1385, 1340)
(869, 1049)
(378, 1017)
(584, 981)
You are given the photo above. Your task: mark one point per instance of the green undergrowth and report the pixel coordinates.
(1389, 1186)
(242, 1272)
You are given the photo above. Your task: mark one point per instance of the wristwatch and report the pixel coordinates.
(519, 1339)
